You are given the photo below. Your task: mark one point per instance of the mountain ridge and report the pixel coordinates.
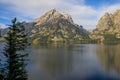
(54, 26)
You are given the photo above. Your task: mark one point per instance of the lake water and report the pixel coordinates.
(74, 62)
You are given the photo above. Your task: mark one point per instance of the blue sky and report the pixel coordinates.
(99, 3)
(83, 12)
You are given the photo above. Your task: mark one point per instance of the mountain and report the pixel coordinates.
(108, 28)
(51, 16)
(54, 26)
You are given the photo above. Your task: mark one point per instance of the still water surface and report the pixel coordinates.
(74, 62)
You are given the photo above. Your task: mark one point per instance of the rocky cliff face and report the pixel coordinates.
(55, 26)
(108, 28)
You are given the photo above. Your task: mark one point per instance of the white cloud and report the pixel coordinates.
(30, 7)
(3, 26)
(4, 17)
(81, 13)
(110, 8)
(84, 15)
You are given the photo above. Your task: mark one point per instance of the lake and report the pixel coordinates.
(74, 62)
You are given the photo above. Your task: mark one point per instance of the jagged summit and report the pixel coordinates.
(53, 11)
(52, 15)
(47, 16)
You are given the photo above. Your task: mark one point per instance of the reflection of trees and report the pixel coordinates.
(110, 57)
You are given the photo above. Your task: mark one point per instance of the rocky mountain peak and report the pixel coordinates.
(55, 26)
(48, 16)
(108, 27)
(51, 16)
(53, 13)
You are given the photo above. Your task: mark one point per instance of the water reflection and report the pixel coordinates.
(74, 62)
(109, 56)
(55, 64)
(65, 61)
(53, 59)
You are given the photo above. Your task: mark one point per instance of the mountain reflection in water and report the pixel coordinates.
(74, 62)
(109, 57)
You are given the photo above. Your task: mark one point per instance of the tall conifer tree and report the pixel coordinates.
(16, 43)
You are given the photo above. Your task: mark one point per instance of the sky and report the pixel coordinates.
(83, 12)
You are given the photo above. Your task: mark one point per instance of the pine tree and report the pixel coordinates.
(1, 72)
(16, 43)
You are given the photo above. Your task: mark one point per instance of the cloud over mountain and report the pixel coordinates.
(29, 9)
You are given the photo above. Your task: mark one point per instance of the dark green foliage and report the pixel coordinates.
(16, 42)
(1, 72)
(110, 38)
(43, 39)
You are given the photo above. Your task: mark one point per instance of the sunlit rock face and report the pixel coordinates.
(108, 27)
(55, 26)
